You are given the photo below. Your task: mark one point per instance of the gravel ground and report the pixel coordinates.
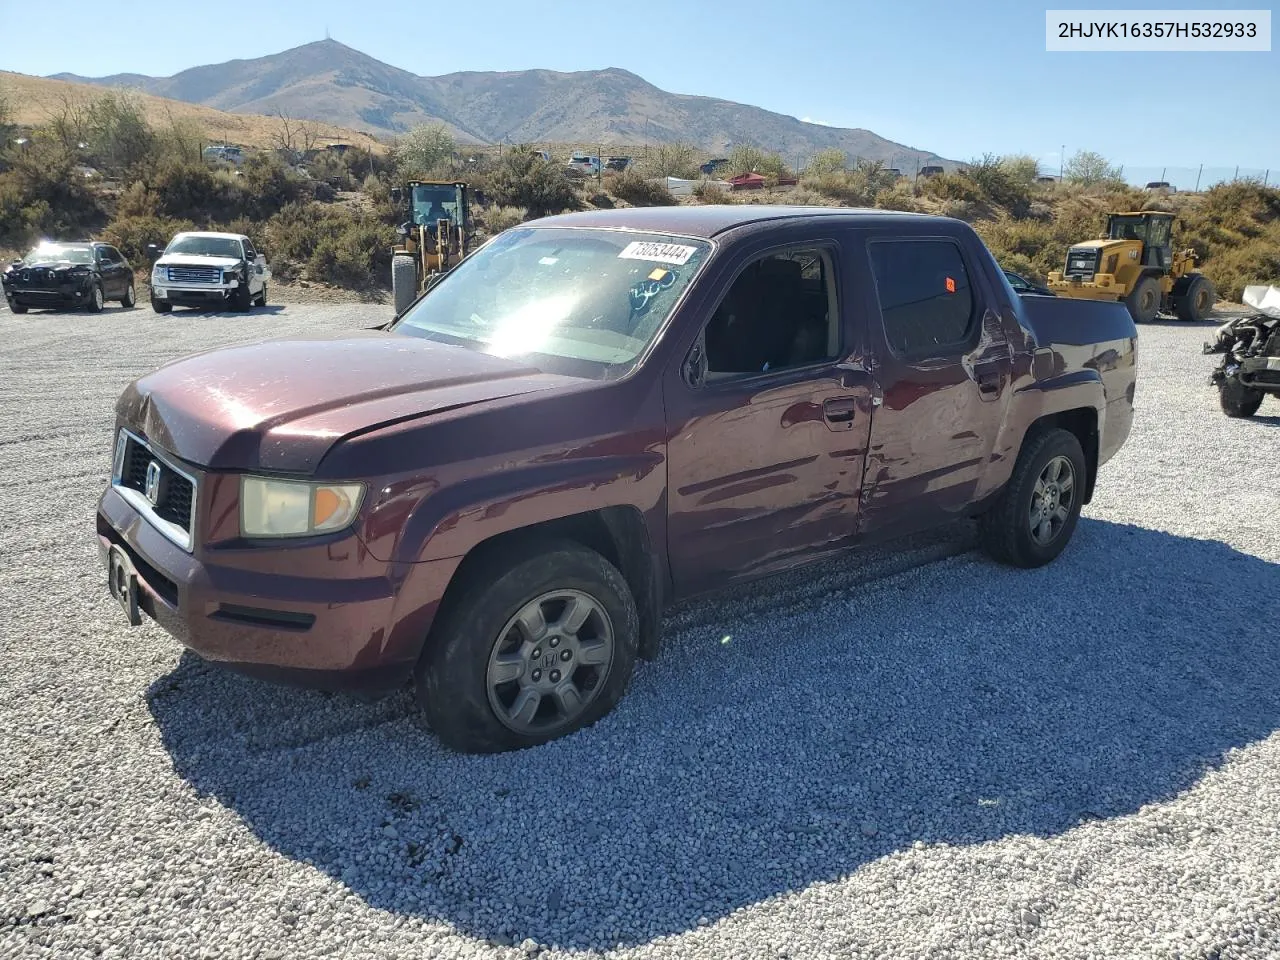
(915, 754)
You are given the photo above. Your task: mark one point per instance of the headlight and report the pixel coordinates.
(295, 508)
(229, 275)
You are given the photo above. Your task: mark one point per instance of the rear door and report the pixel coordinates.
(943, 368)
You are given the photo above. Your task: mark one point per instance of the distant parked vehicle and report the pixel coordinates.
(931, 171)
(617, 164)
(80, 275)
(224, 153)
(1160, 186)
(711, 166)
(199, 269)
(585, 164)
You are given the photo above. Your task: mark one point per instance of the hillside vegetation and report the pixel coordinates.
(106, 167)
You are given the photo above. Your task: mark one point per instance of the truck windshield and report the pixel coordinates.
(59, 253)
(205, 246)
(434, 202)
(575, 301)
(1128, 228)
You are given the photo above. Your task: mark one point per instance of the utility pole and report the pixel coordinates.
(1237, 174)
(1200, 171)
(1163, 170)
(1062, 157)
(1266, 176)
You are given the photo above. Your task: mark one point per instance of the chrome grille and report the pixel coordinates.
(172, 501)
(194, 274)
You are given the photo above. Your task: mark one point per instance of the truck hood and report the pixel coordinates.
(280, 405)
(189, 260)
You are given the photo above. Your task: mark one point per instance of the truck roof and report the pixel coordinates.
(709, 221)
(209, 233)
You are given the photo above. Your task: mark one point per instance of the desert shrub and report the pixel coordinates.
(496, 219)
(190, 189)
(672, 160)
(826, 162)
(132, 235)
(358, 256)
(858, 187)
(522, 179)
(711, 193)
(1255, 261)
(748, 159)
(1088, 169)
(120, 139)
(960, 209)
(998, 185)
(423, 148)
(637, 190)
(1021, 169)
(42, 194)
(952, 186)
(899, 197)
(269, 185)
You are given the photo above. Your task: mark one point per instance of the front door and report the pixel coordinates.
(768, 423)
(943, 368)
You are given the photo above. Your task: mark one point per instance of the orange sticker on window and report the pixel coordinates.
(951, 285)
(657, 274)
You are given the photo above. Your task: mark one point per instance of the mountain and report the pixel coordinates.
(35, 100)
(330, 82)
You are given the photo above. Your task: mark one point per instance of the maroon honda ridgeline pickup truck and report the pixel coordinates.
(591, 416)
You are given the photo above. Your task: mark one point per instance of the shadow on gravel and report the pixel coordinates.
(957, 703)
(269, 310)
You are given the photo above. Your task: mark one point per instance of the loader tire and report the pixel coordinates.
(1197, 303)
(404, 282)
(1144, 300)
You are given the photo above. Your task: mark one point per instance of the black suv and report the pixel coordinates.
(77, 274)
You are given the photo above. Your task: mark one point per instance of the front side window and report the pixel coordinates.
(926, 299)
(576, 301)
(779, 313)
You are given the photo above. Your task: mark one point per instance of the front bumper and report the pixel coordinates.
(1086, 289)
(66, 295)
(193, 294)
(307, 630)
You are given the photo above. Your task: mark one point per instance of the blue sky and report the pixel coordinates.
(957, 78)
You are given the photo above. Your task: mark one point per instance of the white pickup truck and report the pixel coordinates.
(200, 269)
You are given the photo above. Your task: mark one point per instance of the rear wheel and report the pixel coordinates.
(1198, 301)
(404, 282)
(1037, 513)
(1238, 400)
(96, 299)
(1144, 300)
(541, 642)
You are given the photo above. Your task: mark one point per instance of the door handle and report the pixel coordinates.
(839, 409)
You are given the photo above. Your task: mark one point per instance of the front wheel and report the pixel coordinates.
(262, 296)
(1197, 303)
(160, 306)
(1238, 401)
(130, 296)
(1036, 514)
(96, 299)
(404, 282)
(540, 643)
(1144, 300)
(242, 299)
(18, 307)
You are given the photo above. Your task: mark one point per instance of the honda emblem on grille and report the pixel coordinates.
(153, 482)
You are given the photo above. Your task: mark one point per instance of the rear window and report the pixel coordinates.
(926, 299)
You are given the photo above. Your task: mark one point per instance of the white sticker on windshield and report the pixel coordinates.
(676, 253)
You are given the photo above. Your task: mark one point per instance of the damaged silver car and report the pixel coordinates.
(1250, 348)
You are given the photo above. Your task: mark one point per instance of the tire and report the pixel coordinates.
(1238, 401)
(1197, 303)
(18, 307)
(242, 299)
(262, 296)
(96, 300)
(160, 306)
(1009, 531)
(458, 678)
(130, 297)
(1144, 300)
(404, 282)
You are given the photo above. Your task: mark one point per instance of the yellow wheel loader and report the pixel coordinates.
(1135, 263)
(433, 239)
